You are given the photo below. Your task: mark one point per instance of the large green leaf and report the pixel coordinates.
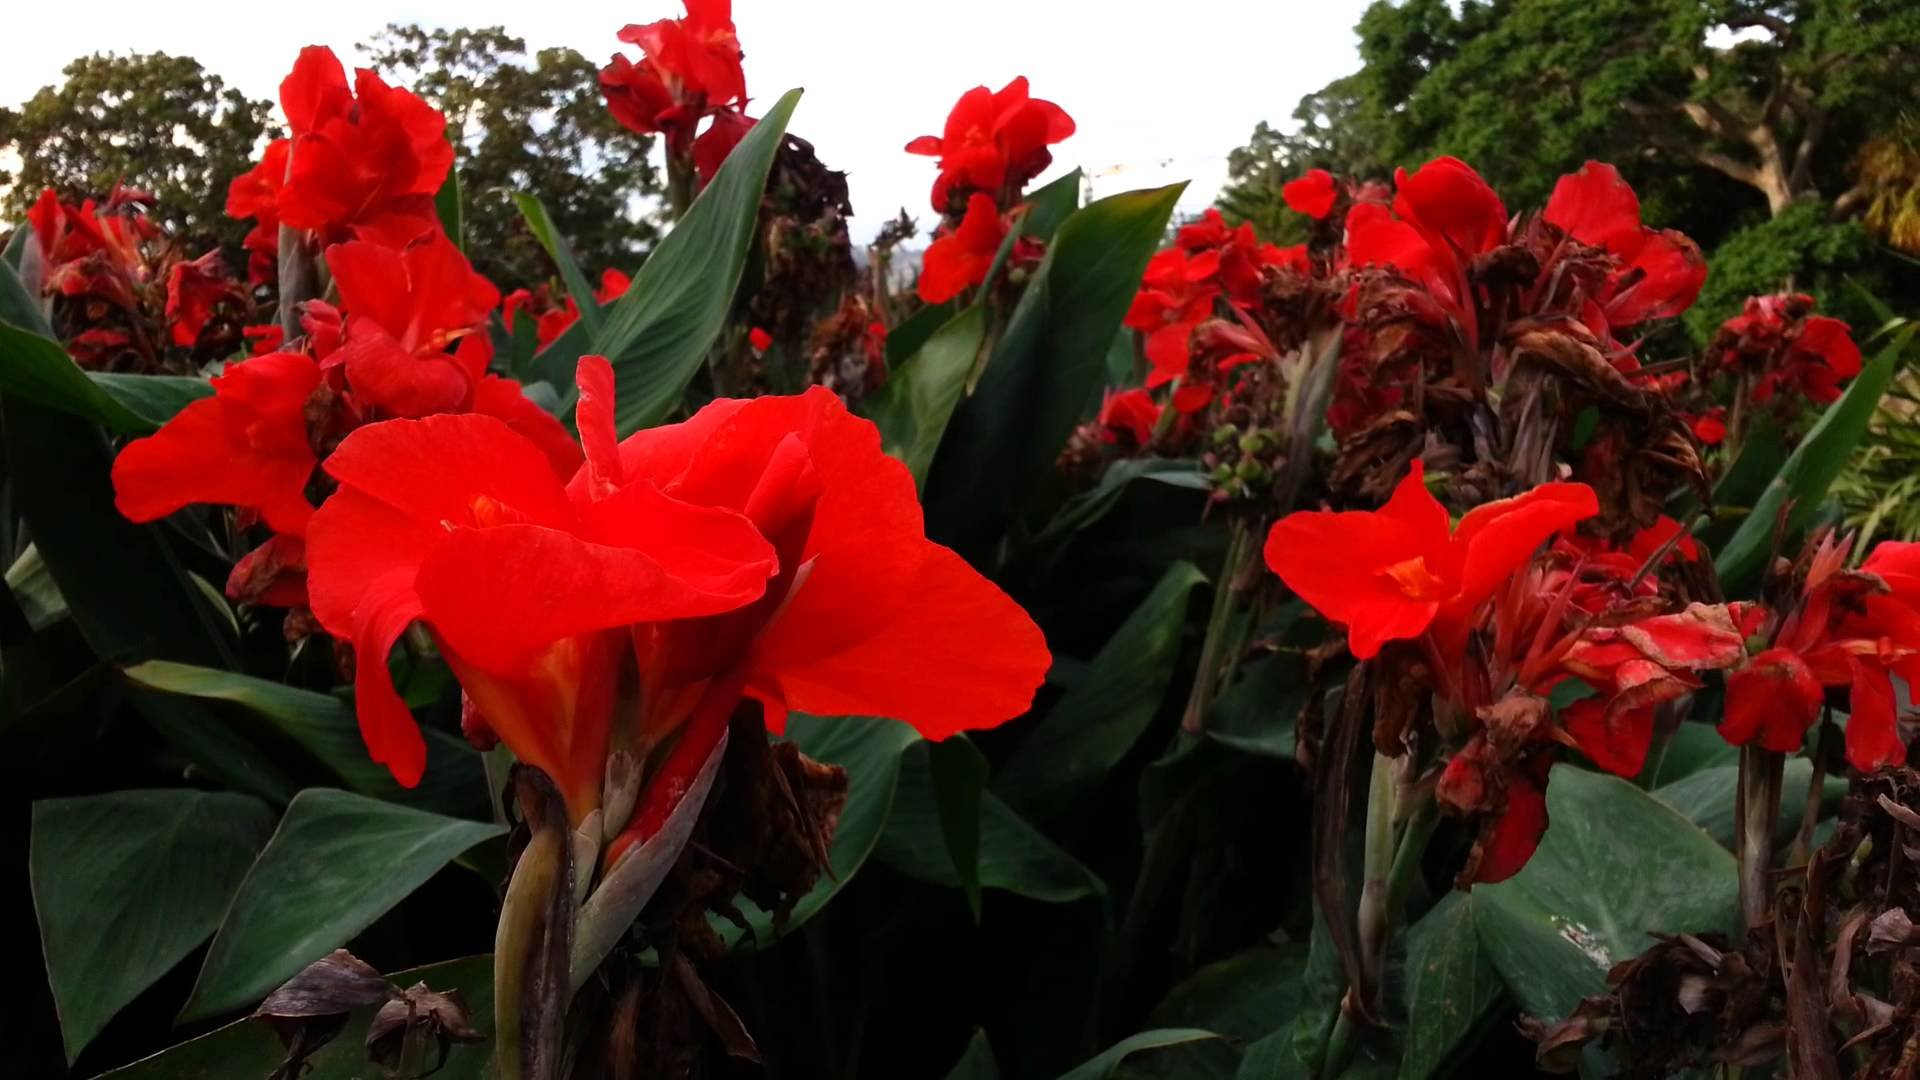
(658, 334)
(1615, 865)
(1047, 370)
(324, 726)
(1452, 988)
(557, 248)
(913, 408)
(870, 749)
(1095, 723)
(36, 369)
(337, 862)
(977, 1062)
(1012, 855)
(35, 590)
(127, 884)
(1242, 997)
(448, 203)
(248, 1049)
(1803, 481)
(1107, 1061)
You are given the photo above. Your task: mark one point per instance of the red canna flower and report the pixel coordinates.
(764, 548)
(759, 339)
(1443, 216)
(1312, 194)
(195, 289)
(710, 150)
(1243, 258)
(264, 339)
(690, 67)
(1176, 295)
(994, 142)
(960, 258)
(1772, 701)
(245, 446)
(256, 194)
(1392, 574)
(1659, 272)
(273, 574)
(404, 308)
(362, 163)
(1129, 416)
(1783, 346)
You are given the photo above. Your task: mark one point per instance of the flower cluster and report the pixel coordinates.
(993, 144)
(1785, 351)
(407, 337)
(553, 310)
(689, 70)
(126, 297)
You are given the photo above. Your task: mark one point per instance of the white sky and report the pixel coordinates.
(1160, 91)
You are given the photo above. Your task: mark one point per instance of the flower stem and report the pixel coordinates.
(1383, 899)
(1216, 650)
(517, 944)
(1757, 809)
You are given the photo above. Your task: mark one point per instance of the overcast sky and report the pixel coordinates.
(1161, 92)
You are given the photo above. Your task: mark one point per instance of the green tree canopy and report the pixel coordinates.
(152, 121)
(535, 124)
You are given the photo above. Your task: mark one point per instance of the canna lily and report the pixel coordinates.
(993, 142)
(362, 163)
(1130, 416)
(1176, 295)
(1659, 272)
(960, 258)
(196, 288)
(763, 549)
(404, 308)
(690, 67)
(1443, 216)
(1784, 347)
(1312, 194)
(245, 446)
(1395, 573)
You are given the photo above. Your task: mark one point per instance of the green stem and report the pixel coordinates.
(1757, 809)
(1216, 650)
(517, 943)
(1381, 905)
(680, 177)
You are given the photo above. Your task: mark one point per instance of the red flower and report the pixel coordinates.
(256, 194)
(1772, 700)
(1782, 345)
(994, 142)
(403, 309)
(691, 66)
(245, 446)
(195, 288)
(960, 259)
(1443, 215)
(273, 574)
(710, 150)
(1660, 272)
(759, 339)
(264, 339)
(764, 548)
(1176, 295)
(360, 163)
(1391, 574)
(1129, 415)
(1710, 427)
(1243, 258)
(1313, 194)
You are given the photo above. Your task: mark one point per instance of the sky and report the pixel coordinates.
(1160, 92)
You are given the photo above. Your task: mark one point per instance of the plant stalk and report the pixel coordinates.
(1757, 808)
(1216, 650)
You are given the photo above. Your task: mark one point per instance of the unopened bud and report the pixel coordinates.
(1224, 434)
(620, 793)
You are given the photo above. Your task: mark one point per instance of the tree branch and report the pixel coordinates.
(1851, 201)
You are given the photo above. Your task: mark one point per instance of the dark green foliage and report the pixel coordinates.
(533, 123)
(151, 121)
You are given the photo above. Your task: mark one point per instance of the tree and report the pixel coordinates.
(151, 121)
(1724, 114)
(532, 124)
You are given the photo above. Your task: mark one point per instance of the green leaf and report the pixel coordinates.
(1809, 471)
(870, 749)
(37, 369)
(1257, 714)
(1048, 369)
(1013, 856)
(248, 1048)
(1691, 748)
(448, 205)
(1242, 997)
(21, 305)
(658, 334)
(1615, 865)
(913, 407)
(558, 250)
(1051, 205)
(976, 1062)
(126, 885)
(914, 330)
(1098, 501)
(958, 773)
(337, 862)
(1107, 1061)
(155, 399)
(324, 726)
(1452, 988)
(35, 590)
(1094, 724)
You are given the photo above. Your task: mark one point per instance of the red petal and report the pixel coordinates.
(1313, 194)
(502, 399)
(1595, 206)
(1773, 700)
(1497, 538)
(1449, 202)
(1701, 638)
(1615, 741)
(1873, 733)
(1507, 842)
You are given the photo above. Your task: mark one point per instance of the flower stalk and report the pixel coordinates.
(1757, 809)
